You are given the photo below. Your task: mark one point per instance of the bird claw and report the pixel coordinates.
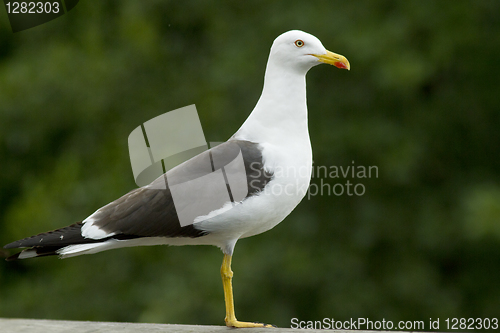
(243, 324)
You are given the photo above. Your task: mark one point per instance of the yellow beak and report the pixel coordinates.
(334, 59)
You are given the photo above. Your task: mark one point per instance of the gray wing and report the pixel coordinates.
(150, 211)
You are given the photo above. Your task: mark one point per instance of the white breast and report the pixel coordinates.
(291, 167)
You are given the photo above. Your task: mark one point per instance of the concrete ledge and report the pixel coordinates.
(61, 326)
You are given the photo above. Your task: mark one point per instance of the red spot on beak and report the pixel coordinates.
(340, 64)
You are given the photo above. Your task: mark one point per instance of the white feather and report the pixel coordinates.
(89, 230)
(27, 254)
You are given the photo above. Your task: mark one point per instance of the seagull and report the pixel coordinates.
(276, 151)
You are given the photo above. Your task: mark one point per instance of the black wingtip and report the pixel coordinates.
(34, 252)
(71, 234)
(12, 245)
(13, 257)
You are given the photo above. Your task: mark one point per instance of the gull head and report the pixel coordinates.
(301, 51)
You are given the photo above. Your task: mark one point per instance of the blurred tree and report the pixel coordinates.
(420, 103)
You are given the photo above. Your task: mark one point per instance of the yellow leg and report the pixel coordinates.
(227, 275)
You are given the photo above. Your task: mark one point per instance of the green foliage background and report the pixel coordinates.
(421, 103)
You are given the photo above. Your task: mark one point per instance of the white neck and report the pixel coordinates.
(280, 115)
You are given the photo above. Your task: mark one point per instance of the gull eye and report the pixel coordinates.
(299, 43)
